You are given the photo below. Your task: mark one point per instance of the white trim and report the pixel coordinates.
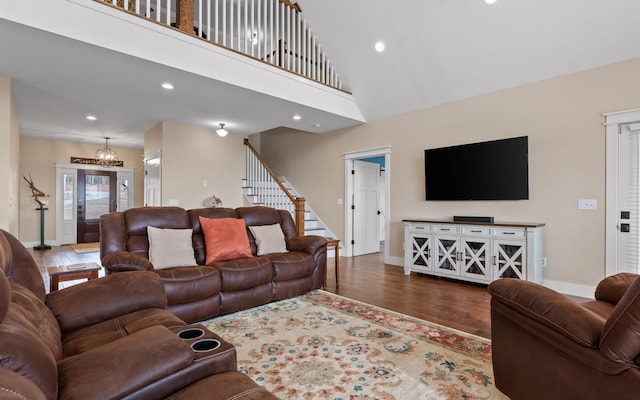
(613, 120)
(348, 190)
(572, 289)
(395, 261)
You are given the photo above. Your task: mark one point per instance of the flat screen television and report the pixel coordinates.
(492, 170)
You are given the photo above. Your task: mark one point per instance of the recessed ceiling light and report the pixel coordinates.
(490, 2)
(167, 86)
(297, 117)
(379, 46)
(316, 125)
(91, 117)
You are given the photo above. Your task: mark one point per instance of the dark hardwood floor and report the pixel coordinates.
(366, 278)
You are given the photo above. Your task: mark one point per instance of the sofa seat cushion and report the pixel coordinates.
(244, 273)
(110, 372)
(186, 284)
(292, 265)
(105, 332)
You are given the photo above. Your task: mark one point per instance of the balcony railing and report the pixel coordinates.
(273, 31)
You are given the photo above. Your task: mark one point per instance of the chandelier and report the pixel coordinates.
(105, 156)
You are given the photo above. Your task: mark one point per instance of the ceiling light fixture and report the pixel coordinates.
(106, 157)
(222, 132)
(379, 46)
(91, 117)
(297, 117)
(167, 86)
(490, 2)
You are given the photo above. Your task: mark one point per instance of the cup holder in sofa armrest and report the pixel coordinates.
(205, 345)
(191, 333)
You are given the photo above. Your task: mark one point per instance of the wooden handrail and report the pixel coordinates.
(298, 201)
(291, 4)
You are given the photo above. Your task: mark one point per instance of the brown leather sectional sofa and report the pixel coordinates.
(548, 346)
(110, 338)
(195, 293)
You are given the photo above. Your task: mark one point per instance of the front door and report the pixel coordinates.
(97, 195)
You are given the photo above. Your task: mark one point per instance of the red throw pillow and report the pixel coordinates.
(225, 239)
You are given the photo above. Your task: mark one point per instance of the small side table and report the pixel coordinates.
(71, 272)
(335, 244)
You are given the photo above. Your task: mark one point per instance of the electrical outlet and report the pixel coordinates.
(544, 262)
(587, 204)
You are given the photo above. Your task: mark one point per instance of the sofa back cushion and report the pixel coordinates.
(620, 339)
(199, 247)
(138, 219)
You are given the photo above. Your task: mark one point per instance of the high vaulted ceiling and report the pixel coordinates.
(437, 51)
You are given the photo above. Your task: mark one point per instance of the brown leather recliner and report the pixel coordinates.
(547, 346)
(109, 338)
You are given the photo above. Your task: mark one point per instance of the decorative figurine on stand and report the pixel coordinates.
(36, 194)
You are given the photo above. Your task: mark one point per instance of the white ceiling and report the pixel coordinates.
(437, 51)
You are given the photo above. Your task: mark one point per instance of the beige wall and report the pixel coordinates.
(38, 158)
(193, 157)
(9, 148)
(561, 116)
(153, 139)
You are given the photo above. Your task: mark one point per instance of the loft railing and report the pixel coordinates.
(273, 31)
(268, 190)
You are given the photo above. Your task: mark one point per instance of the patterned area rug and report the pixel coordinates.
(324, 346)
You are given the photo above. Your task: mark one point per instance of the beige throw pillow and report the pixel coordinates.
(170, 247)
(269, 239)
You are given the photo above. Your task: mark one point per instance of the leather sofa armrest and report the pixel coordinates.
(310, 244)
(107, 372)
(126, 261)
(109, 297)
(553, 309)
(612, 288)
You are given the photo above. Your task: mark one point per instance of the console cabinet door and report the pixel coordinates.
(510, 259)
(420, 253)
(447, 255)
(476, 259)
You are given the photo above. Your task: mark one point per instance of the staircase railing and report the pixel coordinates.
(269, 189)
(272, 31)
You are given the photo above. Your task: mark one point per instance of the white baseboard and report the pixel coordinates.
(34, 244)
(398, 261)
(572, 289)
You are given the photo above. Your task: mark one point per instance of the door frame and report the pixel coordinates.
(64, 236)
(349, 190)
(612, 124)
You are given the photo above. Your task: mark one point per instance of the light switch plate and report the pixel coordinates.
(587, 204)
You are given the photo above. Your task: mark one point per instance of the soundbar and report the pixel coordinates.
(463, 218)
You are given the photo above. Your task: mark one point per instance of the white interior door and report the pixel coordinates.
(152, 179)
(366, 232)
(623, 194)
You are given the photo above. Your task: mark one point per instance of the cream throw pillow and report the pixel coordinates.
(269, 239)
(170, 247)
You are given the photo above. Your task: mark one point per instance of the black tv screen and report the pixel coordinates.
(493, 170)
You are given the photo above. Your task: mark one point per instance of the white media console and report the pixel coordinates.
(476, 252)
